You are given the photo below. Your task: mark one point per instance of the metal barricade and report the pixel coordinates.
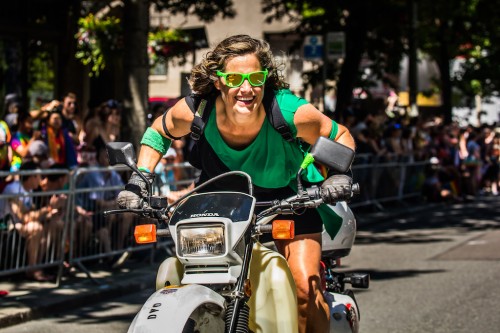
(95, 237)
(387, 179)
(80, 233)
(32, 241)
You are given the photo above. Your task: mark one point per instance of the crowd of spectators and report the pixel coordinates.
(464, 163)
(60, 136)
(463, 160)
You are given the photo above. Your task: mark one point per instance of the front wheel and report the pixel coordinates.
(207, 318)
(189, 327)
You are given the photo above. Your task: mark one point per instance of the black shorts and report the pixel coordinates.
(308, 222)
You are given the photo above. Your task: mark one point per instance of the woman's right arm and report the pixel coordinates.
(178, 123)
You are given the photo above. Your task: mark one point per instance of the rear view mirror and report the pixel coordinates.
(124, 153)
(332, 154)
(121, 153)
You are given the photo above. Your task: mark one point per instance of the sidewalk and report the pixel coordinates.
(29, 300)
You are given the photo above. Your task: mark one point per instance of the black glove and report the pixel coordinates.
(135, 191)
(337, 188)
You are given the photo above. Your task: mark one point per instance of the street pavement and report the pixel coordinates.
(27, 300)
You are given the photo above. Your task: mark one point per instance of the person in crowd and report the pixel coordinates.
(472, 163)
(495, 156)
(82, 218)
(490, 169)
(392, 141)
(437, 185)
(12, 108)
(61, 147)
(238, 72)
(34, 224)
(103, 123)
(69, 116)
(5, 152)
(99, 201)
(67, 108)
(22, 139)
(39, 153)
(164, 171)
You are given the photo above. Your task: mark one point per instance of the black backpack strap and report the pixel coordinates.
(201, 107)
(275, 116)
(163, 122)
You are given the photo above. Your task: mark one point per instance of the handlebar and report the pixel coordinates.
(309, 198)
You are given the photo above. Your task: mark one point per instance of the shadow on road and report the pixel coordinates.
(431, 226)
(379, 275)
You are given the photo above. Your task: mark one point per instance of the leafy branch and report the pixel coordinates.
(96, 39)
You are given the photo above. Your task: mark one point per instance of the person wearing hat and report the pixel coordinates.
(165, 172)
(39, 153)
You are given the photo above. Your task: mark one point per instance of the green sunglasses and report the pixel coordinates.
(234, 80)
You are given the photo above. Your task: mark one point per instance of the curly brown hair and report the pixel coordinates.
(203, 75)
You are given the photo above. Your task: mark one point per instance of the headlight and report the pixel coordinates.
(201, 240)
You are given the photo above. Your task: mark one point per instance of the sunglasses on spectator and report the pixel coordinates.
(234, 80)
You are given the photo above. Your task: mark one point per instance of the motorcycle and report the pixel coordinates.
(223, 279)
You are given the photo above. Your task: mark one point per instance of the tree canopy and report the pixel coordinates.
(464, 32)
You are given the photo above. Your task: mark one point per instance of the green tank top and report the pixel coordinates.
(271, 161)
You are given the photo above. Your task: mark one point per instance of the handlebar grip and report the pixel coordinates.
(355, 189)
(314, 193)
(265, 228)
(163, 232)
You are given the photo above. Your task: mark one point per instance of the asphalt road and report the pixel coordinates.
(435, 271)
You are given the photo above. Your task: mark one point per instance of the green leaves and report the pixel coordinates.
(96, 39)
(168, 44)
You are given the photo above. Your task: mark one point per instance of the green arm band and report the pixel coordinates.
(156, 141)
(335, 129)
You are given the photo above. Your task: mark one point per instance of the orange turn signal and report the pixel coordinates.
(145, 233)
(283, 229)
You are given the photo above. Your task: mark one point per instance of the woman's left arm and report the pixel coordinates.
(311, 124)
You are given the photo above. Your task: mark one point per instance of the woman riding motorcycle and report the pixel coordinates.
(238, 135)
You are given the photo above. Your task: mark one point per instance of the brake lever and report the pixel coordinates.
(146, 211)
(121, 211)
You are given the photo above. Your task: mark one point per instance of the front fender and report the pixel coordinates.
(168, 310)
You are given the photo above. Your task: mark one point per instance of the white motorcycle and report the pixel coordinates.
(222, 278)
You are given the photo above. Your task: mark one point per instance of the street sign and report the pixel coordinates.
(313, 47)
(335, 45)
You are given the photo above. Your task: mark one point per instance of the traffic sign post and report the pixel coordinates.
(335, 45)
(313, 47)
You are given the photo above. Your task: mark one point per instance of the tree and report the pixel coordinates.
(447, 30)
(135, 27)
(372, 29)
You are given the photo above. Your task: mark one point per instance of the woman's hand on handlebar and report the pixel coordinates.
(135, 191)
(338, 188)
